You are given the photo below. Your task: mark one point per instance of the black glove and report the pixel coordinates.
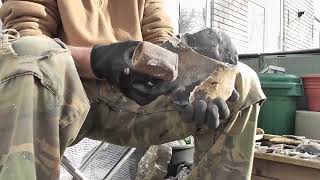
(209, 113)
(114, 63)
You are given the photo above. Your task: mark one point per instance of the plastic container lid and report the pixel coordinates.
(310, 76)
(281, 84)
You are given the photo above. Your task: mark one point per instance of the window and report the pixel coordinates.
(193, 15)
(256, 27)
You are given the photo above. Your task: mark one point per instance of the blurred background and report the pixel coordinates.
(255, 25)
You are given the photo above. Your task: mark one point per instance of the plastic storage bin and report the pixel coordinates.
(277, 115)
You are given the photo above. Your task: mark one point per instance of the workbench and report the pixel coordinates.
(280, 167)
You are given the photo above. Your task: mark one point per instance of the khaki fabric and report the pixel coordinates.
(89, 22)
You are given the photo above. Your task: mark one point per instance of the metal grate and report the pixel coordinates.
(129, 169)
(104, 161)
(76, 155)
(98, 161)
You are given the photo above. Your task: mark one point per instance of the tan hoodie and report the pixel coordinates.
(89, 22)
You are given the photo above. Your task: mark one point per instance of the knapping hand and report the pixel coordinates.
(114, 63)
(208, 113)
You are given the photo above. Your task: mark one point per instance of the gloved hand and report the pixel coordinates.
(208, 113)
(114, 63)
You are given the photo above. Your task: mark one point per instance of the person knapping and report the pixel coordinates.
(53, 97)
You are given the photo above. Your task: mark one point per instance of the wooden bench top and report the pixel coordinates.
(310, 163)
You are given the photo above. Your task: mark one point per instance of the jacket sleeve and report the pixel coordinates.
(31, 17)
(156, 24)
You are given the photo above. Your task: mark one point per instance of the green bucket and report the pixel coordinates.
(277, 115)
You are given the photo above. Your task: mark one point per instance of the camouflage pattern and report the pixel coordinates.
(119, 120)
(231, 155)
(43, 106)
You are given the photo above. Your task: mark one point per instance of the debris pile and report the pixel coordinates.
(183, 171)
(289, 145)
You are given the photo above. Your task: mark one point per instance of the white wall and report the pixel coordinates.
(0, 20)
(316, 8)
(273, 26)
(298, 32)
(172, 8)
(231, 16)
(316, 34)
(254, 25)
(316, 28)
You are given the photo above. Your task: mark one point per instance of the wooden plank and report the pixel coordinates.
(311, 163)
(283, 171)
(254, 177)
(270, 136)
(287, 141)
